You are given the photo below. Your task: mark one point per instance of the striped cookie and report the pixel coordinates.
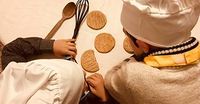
(127, 45)
(104, 42)
(88, 61)
(96, 20)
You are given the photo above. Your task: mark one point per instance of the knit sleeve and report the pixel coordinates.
(20, 49)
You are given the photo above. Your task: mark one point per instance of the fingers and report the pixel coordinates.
(91, 82)
(69, 47)
(94, 79)
(70, 50)
(93, 90)
(96, 76)
(65, 47)
(71, 43)
(70, 40)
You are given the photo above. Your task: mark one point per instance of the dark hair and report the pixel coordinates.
(140, 57)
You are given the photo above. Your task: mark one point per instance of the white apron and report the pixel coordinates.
(53, 81)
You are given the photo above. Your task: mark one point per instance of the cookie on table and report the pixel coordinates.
(104, 42)
(127, 45)
(96, 20)
(89, 62)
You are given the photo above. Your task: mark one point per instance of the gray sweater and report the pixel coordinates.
(134, 82)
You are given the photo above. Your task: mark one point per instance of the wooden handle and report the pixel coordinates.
(55, 29)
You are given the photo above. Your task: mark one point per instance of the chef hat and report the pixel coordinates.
(161, 23)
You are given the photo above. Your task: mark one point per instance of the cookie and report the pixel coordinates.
(96, 20)
(88, 61)
(127, 45)
(104, 42)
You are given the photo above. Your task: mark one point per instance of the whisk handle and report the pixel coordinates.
(76, 30)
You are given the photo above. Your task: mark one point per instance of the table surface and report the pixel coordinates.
(35, 18)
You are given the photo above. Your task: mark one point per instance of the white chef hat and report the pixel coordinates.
(161, 23)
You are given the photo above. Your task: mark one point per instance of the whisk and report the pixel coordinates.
(81, 11)
(82, 8)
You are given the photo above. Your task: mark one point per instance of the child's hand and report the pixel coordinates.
(64, 47)
(96, 84)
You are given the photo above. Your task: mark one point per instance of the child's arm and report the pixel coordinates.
(20, 49)
(96, 84)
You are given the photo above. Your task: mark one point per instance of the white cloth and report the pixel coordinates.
(161, 23)
(53, 81)
(136, 83)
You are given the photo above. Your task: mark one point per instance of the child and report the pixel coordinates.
(21, 49)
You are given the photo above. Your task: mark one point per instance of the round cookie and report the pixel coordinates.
(104, 42)
(88, 61)
(127, 45)
(96, 20)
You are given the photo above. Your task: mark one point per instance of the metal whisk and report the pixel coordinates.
(82, 8)
(81, 11)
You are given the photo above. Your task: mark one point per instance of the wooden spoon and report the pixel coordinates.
(68, 12)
